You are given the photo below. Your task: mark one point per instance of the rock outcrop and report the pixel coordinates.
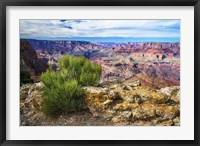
(29, 60)
(126, 103)
(134, 105)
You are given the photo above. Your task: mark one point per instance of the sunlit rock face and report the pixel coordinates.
(133, 104)
(126, 103)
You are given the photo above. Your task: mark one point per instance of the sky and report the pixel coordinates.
(101, 30)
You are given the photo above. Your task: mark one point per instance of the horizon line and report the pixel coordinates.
(110, 39)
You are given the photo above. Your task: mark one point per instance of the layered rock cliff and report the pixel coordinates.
(156, 65)
(29, 60)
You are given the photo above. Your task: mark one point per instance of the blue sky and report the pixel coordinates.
(102, 30)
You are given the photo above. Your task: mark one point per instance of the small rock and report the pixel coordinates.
(176, 97)
(23, 94)
(38, 85)
(107, 102)
(176, 121)
(172, 92)
(127, 88)
(115, 120)
(126, 114)
(137, 99)
(166, 123)
(134, 83)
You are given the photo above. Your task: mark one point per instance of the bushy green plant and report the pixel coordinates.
(61, 93)
(81, 69)
(25, 77)
(90, 74)
(62, 89)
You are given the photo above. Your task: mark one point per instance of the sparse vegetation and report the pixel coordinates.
(25, 77)
(62, 89)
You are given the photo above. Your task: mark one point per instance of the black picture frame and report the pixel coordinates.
(5, 3)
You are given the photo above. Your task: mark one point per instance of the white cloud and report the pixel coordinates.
(99, 28)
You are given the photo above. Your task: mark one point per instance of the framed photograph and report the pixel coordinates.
(99, 72)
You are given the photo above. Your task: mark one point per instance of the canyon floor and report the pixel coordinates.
(128, 103)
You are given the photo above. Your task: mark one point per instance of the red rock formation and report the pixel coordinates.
(29, 60)
(156, 61)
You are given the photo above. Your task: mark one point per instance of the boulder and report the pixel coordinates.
(24, 91)
(134, 83)
(172, 92)
(23, 95)
(142, 94)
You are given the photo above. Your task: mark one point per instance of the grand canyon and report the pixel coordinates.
(155, 65)
(139, 82)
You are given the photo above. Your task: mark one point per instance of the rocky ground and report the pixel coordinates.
(127, 103)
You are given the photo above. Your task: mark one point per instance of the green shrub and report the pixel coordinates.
(90, 74)
(25, 77)
(81, 69)
(62, 89)
(61, 94)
